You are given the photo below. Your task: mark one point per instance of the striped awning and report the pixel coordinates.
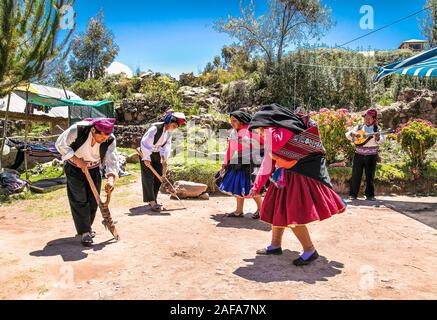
(421, 65)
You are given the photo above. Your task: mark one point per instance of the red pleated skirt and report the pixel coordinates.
(303, 200)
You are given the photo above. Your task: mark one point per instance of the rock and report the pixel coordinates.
(133, 158)
(201, 97)
(129, 136)
(187, 189)
(412, 103)
(204, 196)
(237, 95)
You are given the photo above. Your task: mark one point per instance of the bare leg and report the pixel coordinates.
(277, 233)
(275, 247)
(259, 202)
(240, 205)
(239, 211)
(303, 235)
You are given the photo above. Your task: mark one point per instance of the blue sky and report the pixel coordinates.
(177, 36)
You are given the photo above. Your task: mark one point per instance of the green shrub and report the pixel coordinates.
(89, 89)
(416, 138)
(340, 174)
(161, 91)
(40, 172)
(389, 172)
(198, 170)
(386, 100)
(430, 171)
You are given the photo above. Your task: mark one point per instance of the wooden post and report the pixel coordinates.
(4, 132)
(26, 134)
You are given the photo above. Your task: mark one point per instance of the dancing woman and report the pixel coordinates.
(240, 163)
(301, 191)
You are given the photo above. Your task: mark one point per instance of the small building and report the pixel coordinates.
(414, 45)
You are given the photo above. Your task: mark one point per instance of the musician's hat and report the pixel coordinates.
(371, 112)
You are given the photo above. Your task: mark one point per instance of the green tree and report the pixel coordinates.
(235, 56)
(93, 51)
(90, 89)
(428, 23)
(286, 22)
(29, 37)
(59, 76)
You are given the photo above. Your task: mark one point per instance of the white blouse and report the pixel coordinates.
(163, 145)
(87, 152)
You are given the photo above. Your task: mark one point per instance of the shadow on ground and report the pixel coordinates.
(70, 249)
(424, 212)
(146, 210)
(240, 223)
(266, 269)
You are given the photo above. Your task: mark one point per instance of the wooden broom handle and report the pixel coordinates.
(92, 185)
(160, 178)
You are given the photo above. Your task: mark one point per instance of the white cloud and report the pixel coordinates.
(118, 67)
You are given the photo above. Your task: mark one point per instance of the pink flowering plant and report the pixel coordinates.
(416, 138)
(333, 125)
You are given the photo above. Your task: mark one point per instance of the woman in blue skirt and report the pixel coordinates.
(242, 160)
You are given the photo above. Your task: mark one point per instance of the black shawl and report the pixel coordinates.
(277, 116)
(312, 166)
(242, 116)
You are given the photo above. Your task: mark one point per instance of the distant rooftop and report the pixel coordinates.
(415, 40)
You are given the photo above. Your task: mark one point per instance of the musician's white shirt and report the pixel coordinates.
(372, 142)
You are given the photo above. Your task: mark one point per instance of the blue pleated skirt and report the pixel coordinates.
(236, 183)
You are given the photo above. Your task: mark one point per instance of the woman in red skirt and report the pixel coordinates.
(301, 191)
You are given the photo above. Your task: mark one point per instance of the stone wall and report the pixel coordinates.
(137, 111)
(421, 186)
(411, 103)
(129, 136)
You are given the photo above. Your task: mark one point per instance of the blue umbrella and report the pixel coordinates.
(422, 65)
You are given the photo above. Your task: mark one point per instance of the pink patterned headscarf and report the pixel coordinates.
(104, 125)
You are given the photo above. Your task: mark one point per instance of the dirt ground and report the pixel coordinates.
(384, 250)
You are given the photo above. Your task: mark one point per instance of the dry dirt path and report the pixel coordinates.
(370, 252)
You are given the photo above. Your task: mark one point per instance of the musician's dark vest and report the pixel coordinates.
(83, 133)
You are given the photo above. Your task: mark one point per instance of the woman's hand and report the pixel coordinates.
(254, 194)
(109, 187)
(147, 163)
(378, 137)
(80, 163)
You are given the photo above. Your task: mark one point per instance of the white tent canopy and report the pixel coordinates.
(18, 104)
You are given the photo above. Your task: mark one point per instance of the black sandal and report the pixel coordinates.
(267, 252)
(256, 215)
(234, 215)
(87, 240)
(301, 262)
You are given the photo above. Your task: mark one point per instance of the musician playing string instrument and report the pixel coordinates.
(366, 154)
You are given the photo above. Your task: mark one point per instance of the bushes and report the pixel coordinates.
(333, 126)
(416, 137)
(160, 92)
(198, 170)
(89, 89)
